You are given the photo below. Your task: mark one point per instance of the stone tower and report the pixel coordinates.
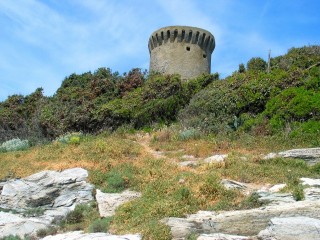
(181, 49)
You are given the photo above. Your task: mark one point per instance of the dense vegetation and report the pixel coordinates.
(249, 100)
(285, 100)
(91, 103)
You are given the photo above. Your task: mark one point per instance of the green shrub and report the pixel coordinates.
(33, 212)
(100, 225)
(11, 237)
(212, 187)
(52, 230)
(189, 134)
(295, 104)
(116, 179)
(80, 213)
(14, 145)
(257, 101)
(73, 138)
(256, 64)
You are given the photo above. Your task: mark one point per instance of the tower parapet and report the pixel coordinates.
(181, 49)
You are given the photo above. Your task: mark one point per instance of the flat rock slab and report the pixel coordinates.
(109, 202)
(11, 224)
(221, 236)
(292, 228)
(43, 197)
(216, 158)
(242, 222)
(231, 184)
(79, 235)
(188, 163)
(310, 182)
(310, 155)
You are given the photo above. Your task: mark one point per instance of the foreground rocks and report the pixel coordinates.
(270, 222)
(32, 203)
(79, 235)
(297, 228)
(109, 202)
(310, 155)
(242, 222)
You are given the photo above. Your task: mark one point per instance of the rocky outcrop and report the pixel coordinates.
(79, 235)
(216, 158)
(251, 222)
(33, 202)
(292, 228)
(221, 236)
(109, 202)
(242, 222)
(310, 155)
(231, 184)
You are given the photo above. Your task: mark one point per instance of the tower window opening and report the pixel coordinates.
(188, 48)
(204, 56)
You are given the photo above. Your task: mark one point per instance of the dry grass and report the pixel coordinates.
(90, 154)
(167, 190)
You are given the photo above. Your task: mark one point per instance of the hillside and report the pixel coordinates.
(154, 134)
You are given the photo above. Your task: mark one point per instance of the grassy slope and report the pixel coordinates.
(120, 161)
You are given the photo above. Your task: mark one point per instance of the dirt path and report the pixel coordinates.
(144, 140)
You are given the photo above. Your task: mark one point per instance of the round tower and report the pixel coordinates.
(181, 49)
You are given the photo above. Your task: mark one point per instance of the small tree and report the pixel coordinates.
(256, 64)
(242, 68)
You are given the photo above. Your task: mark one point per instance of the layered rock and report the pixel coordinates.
(33, 202)
(310, 155)
(79, 235)
(109, 202)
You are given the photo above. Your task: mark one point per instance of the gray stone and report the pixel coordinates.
(80, 235)
(189, 157)
(231, 184)
(310, 182)
(270, 156)
(310, 155)
(188, 164)
(292, 228)
(109, 202)
(277, 187)
(221, 236)
(242, 222)
(216, 158)
(312, 194)
(12, 224)
(275, 198)
(49, 194)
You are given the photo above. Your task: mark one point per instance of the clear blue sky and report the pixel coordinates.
(43, 41)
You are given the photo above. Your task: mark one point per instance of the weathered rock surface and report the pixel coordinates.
(292, 228)
(79, 235)
(16, 225)
(216, 158)
(277, 187)
(310, 155)
(43, 197)
(241, 222)
(221, 236)
(276, 198)
(109, 202)
(310, 182)
(231, 184)
(251, 222)
(188, 163)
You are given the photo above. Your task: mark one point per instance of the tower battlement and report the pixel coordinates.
(181, 49)
(186, 34)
